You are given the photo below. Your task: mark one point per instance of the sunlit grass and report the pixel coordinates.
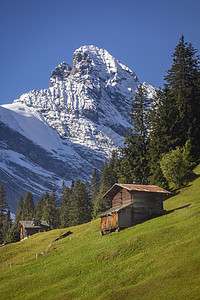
(158, 259)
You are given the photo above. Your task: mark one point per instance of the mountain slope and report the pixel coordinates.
(158, 259)
(79, 120)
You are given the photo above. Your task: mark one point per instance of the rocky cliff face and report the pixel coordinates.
(79, 120)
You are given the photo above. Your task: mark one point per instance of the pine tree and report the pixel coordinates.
(108, 178)
(113, 168)
(134, 164)
(28, 207)
(50, 210)
(3, 211)
(64, 208)
(39, 208)
(3, 204)
(79, 204)
(6, 226)
(176, 111)
(182, 82)
(162, 125)
(19, 212)
(95, 186)
(13, 235)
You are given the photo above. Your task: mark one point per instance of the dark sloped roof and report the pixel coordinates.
(29, 224)
(113, 210)
(134, 187)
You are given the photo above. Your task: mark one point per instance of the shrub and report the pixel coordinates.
(176, 166)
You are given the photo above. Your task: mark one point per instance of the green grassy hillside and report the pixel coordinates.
(158, 259)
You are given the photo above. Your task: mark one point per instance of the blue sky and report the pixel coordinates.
(36, 35)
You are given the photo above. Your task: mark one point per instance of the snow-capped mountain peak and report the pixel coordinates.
(77, 122)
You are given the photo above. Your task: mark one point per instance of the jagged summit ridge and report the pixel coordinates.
(60, 73)
(91, 59)
(84, 101)
(100, 60)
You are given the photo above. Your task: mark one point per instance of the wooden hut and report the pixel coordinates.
(28, 228)
(131, 203)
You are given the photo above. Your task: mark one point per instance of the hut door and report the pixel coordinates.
(114, 221)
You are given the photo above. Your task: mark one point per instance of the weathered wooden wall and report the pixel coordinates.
(146, 204)
(109, 222)
(125, 217)
(123, 197)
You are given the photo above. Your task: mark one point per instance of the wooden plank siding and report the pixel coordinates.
(123, 197)
(114, 221)
(146, 204)
(125, 219)
(109, 222)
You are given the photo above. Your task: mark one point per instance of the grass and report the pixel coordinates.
(158, 259)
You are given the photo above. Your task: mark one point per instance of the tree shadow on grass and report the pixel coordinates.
(166, 212)
(191, 176)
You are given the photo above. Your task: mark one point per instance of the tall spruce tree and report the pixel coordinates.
(95, 186)
(183, 84)
(108, 178)
(64, 208)
(134, 164)
(39, 208)
(176, 110)
(28, 207)
(79, 204)
(19, 212)
(50, 210)
(14, 235)
(3, 210)
(162, 124)
(3, 203)
(6, 226)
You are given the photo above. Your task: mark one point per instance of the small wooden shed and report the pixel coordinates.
(28, 228)
(131, 203)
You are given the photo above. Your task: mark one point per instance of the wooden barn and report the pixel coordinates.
(28, 228)
(131, 203)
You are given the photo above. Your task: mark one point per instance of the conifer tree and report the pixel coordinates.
(28, 207)
(79, 207)
(14, 235)
(176, 111)
(134, 164)
(50, 210)
(64, 208)
(19, 212)
(182, 82)
(95, 186)
(162, 125)
(6, 226)
(39, 208)
(3, 210)
(3, 204)
(108, 178)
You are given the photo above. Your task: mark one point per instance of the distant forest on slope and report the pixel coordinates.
(161, 148)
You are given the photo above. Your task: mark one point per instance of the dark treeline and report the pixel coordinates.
(161, 148)
(75, 205)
